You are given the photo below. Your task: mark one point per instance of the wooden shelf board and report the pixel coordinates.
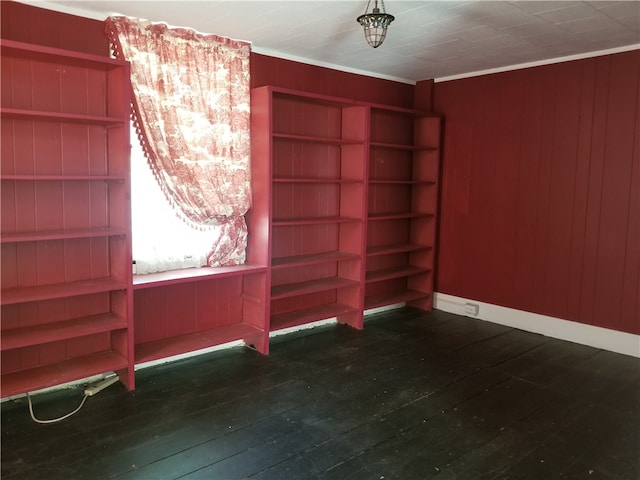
(187, 275)
(317, 180)
(314, 220)
(402, 146)
(63, 372)
(310, 286)
(402, 182)
(382, 108)
(61, 234)
(398, 216)
(397, 248)
(12, 48)
(61, 177)
(22, 114)
(301, 260)
(393, 146)
(394, 272)
(301, 317)
(146, 352)
(308, 97)
(52, 332)
(61, 290)
(391, 298)
(313, 139)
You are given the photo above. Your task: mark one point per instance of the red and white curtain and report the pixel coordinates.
(191, 107)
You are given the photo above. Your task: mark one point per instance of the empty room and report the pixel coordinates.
(292, 240)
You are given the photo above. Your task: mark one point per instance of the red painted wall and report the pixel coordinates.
(278, 72)
(540, 202)
(25, 23)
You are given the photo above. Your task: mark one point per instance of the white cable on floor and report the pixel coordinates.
(54, 420)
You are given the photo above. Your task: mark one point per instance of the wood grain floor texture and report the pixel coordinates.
(414, 395)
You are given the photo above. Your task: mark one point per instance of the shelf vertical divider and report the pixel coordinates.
(259, 215)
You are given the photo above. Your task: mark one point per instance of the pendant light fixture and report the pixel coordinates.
(375, 23)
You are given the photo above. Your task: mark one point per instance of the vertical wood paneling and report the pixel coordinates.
(75, 145)
(525, 291)
(630, 303)
(594, 191)
(423, 97)
(502, 174)
(577, 261)
(561, 177)
(540, 194)
(150, 314)
(47, 148)
(26, 23)
(611, 258)
(278, 72)
(20, 151)
(181, 307)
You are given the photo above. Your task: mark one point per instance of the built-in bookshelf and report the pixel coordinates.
(65, 230)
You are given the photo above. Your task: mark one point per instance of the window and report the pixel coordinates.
(161, 240)
(191, 98)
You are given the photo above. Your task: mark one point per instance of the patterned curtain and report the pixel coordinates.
(191, 110)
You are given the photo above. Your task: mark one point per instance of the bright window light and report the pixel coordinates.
(161, 240)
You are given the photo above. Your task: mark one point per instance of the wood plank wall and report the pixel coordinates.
(26, 23)
(278, 72)
(540, 206)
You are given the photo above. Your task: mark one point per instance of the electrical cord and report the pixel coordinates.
(54, 420)
(88, 392)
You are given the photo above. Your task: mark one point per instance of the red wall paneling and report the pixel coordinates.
(278, 72)
(539, 207)
(29, 24)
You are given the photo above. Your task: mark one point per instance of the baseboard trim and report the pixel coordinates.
(604, 338)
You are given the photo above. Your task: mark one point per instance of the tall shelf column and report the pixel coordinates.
(402, 207)
(315, 147)
(65, 231)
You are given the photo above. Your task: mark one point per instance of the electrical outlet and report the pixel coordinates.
(471, 309)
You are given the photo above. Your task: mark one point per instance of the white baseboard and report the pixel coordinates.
(604, 338)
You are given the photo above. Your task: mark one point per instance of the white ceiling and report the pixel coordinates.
(428, 39)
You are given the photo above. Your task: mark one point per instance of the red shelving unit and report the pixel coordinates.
(402, 207)
(353, 204)
(315, 148)
(182, 311)
(65, 231)
(343, 219)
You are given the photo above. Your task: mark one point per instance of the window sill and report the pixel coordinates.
(188, 275)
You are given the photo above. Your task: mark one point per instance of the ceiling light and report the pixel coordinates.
(375, 23)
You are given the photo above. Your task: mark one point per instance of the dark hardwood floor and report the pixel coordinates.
(412, 396)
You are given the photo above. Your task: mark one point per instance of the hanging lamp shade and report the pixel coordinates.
(375, 24)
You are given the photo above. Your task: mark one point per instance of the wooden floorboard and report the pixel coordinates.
(414, 395)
